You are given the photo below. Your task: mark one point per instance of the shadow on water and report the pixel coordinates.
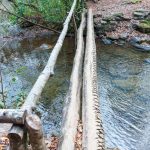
(21, 63)
(124, 88)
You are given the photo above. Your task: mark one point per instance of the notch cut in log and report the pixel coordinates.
(36, 136)
(93, 134)
(15, 116)
(39, 85)
(71, 113)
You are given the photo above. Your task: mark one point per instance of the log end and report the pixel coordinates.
(34, 122)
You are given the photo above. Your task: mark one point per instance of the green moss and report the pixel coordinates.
(135, 1)
(144, 26)
(51, 11)
(145, 23)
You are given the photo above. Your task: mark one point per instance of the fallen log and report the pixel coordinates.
(35, 93)
(71, 112)
(93, 135)
(16, 116)
(36, 137)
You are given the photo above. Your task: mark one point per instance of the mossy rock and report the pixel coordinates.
(135, 1)
(144, 26)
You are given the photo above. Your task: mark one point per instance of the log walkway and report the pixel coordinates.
(81, 103)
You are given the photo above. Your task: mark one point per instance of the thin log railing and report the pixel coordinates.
(71, 113)
(17, 133)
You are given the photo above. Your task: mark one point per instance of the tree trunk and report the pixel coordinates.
(93, 135)
(73, 98)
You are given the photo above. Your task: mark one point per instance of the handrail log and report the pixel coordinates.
(93, 135)
(37, 89)
(16, 116)
(71, 112)
(39, 85)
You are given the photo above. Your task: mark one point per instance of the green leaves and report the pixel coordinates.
(2, 105)
(49, 10)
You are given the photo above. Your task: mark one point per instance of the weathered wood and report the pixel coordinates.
(16, 116)
(37, 89)
(34, 127)
(93, 135)
(17, 137)
(39, 85)
(72, 101)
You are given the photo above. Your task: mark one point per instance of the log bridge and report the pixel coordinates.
(81, 103)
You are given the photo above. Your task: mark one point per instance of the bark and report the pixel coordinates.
(34, 126)
(72, 107)
(16, 116)
(93, 135)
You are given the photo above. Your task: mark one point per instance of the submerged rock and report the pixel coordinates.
(107, 41)
(147, 60)
(141, 44)
(43, 47)
(125, 84)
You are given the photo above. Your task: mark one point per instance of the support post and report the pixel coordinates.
(17, 137)
(36, 136)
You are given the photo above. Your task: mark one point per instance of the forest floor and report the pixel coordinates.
(124, 9)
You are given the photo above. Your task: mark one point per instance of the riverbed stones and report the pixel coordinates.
(107, 41)
(113, 36)
(141, 44)
(141, 14)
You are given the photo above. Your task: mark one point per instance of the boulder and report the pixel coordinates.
(143, 26)
(107, 41)
(112, 36)
(141, 14)
(140, 44)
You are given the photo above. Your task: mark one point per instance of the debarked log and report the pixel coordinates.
(71, 112)
(15, 116)
(93, 134)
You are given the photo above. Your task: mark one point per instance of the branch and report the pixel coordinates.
(7, 11)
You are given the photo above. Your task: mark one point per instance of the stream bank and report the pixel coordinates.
(123, 21)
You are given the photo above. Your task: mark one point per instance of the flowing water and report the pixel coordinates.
(21, 63)
(124, 89)
(123, 79)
